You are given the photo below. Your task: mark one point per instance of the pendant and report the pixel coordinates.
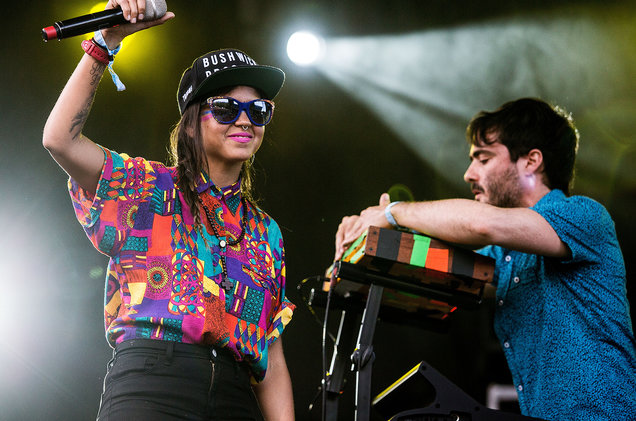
(227, 284)
(222, 244)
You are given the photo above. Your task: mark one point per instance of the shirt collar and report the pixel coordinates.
(204, 183)
(554, 194)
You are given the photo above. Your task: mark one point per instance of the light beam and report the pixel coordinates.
(426, 86)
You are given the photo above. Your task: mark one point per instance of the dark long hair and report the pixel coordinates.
(187, 154)
(527, 124)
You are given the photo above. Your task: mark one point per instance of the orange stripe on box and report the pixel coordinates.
(437, 259)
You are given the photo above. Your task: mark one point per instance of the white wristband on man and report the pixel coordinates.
(389, 215)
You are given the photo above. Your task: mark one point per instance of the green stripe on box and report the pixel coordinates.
(420, 250)
(354, 258)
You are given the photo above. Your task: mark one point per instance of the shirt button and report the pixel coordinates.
(519, 388)
(516, 279)
(507, 258)
(500, 302)
(506, 344)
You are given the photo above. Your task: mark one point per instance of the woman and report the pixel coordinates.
(195, 291)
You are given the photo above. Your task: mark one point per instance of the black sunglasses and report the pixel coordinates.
(227, 110)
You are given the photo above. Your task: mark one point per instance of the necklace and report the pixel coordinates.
(225, 282)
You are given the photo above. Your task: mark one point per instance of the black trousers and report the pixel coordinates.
(161, 380)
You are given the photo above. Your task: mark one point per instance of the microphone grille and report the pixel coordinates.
(155, 9)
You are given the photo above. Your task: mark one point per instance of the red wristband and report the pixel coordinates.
(95, 51)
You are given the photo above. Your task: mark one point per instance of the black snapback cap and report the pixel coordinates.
(226, 67)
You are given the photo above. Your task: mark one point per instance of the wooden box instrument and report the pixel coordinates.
(419, 272)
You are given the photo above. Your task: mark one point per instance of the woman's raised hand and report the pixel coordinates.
(134, 12)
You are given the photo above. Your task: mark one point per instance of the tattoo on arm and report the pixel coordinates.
(97, 71)
(80, 118)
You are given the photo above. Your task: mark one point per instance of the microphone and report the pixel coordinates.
(100, 20)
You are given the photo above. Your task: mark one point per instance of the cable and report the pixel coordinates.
(324, 349)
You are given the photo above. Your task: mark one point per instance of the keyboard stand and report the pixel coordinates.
(340, 361)
(363, 355)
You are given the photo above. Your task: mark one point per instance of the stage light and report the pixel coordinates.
(304, 48)
(136, 49)
(98, 7)
(425, 86)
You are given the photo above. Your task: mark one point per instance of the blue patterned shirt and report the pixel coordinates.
(565, 325)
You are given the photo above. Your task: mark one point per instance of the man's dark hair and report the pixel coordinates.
(527, 124)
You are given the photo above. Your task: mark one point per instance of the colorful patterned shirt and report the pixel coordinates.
(565, 326)
(165, 278)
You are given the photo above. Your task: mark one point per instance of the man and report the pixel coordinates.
(562, 313)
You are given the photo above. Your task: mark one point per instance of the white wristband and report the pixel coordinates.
(99, 39)
(389, 215)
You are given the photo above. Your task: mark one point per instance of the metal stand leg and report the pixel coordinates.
(340, 361)
(363, 355)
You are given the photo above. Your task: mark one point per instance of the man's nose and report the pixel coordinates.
(470, 174)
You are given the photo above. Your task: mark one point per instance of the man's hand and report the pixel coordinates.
(353, 226)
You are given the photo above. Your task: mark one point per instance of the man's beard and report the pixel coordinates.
(504, 189)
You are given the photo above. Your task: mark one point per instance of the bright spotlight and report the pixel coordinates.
(304, 48)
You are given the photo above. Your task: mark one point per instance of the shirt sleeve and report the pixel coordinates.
(283, 309)
(108, 215)
(583, 224)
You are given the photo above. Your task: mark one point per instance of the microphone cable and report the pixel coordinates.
(324, 348)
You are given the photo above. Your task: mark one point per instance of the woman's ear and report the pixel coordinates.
(189, 131)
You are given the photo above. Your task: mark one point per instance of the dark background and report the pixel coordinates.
(391, 109)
